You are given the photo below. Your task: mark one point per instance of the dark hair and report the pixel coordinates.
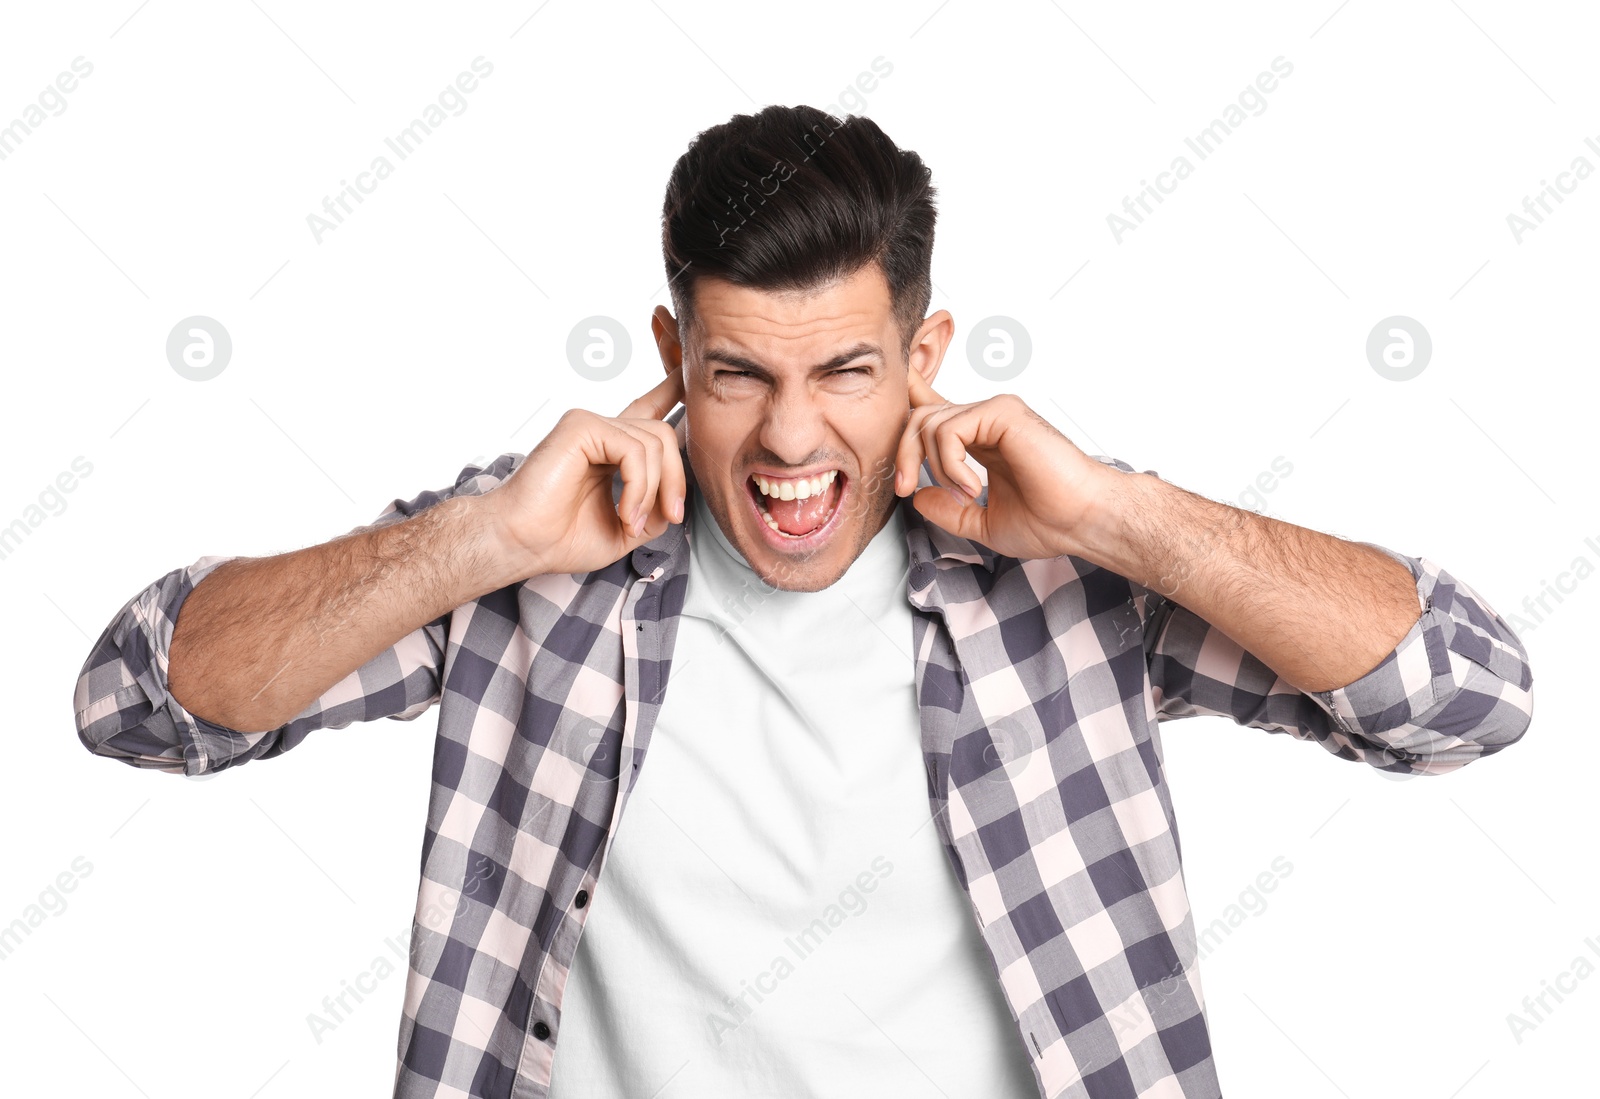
(793, 198)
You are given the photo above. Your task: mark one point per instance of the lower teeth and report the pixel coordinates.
(773, 523)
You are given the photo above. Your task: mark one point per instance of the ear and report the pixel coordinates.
(665, 330)
(929, 344)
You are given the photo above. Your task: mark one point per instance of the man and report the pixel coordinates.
(828, 631)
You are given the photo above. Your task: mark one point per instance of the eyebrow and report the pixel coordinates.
(848, 355)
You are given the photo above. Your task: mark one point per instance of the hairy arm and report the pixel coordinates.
(259, 639)
(1318, 610)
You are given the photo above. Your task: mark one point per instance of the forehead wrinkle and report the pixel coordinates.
(800, 328)
(861, 324)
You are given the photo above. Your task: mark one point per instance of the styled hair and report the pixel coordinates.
(792, 199)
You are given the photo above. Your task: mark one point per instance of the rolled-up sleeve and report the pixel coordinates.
(1456, 687)
(124, 710)
(122, 707)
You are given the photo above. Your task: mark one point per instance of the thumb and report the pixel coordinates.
(950, 509)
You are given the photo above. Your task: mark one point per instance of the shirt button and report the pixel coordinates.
(540, 1031)
(921, 575)
(582, 898)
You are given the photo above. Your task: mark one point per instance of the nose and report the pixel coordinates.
(794, 428)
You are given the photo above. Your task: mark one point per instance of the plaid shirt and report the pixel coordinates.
(1041, 687)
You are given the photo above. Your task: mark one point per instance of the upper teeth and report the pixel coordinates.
(801, 489)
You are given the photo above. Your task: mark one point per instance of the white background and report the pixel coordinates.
(429, 329)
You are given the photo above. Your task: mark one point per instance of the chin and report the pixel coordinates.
(787, 578)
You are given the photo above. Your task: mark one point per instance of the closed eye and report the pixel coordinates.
(748, 374)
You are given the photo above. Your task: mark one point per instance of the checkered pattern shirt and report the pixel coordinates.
(1041, 685)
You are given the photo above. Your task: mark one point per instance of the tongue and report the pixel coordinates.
(803, 516)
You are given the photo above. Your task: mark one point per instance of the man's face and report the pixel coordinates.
(785, 387)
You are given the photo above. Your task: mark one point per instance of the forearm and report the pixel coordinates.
(259, 639)
(1318, 610)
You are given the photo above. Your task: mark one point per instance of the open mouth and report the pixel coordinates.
(797, 511)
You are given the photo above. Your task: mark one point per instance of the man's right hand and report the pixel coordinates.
(554, 512)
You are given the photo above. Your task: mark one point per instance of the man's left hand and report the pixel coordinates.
(1043, 491)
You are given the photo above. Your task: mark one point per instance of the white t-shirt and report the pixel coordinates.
(777, 916)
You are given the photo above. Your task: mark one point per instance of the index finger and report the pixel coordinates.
(659, 401)
(921, 392)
